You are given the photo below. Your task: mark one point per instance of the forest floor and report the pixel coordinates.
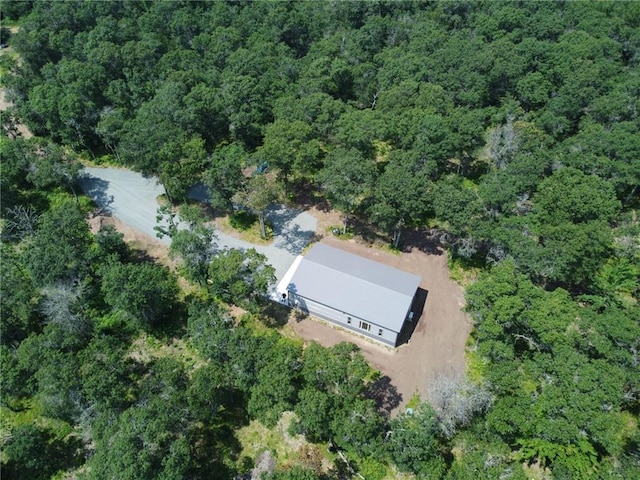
(151, 246)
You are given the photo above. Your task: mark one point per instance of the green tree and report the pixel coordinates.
(483, 457)
(36, 454)
(60, 248)
(196, 249)
(59, 386)
(148, 439)
(15, 158)
(110, 244)
(224, 177)
(347, 179)
(208, 393)
(179, 174)
(258, 193)
(401, 194)
(571, 212)
(313, 408)
(107, 374)
(240, 277)
(146, 292)
(414, 445)
(19, 298)
(290, 147)
(294, 473)
(555, 407)
(277, 383)
(456, 202)
(331, 403)
(50, 166)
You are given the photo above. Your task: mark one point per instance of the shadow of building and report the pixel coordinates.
(417, 308)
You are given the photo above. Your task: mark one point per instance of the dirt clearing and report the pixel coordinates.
(153, 247)
(438, 342)
(437, 345)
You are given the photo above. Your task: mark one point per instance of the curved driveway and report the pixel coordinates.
(133, 199)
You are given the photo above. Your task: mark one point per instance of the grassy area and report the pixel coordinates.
(389, 248)
(462, 271)
(414, 402)
(332, 229)
(290, 450)
(255, 438)
(244, 228)
(27, 412)
(146, 348)
(476, 365)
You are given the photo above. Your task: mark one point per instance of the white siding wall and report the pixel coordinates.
(344, 319)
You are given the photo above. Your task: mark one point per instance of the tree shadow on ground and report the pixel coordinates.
(280, 215)
(384, 394)
(289, 234)
(294, 239)
(275, 314)
(417, 308)
(307, 195)
(421, 239)
(172, 324)
(96, 189)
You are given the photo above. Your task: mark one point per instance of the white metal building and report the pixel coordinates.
(367, 297)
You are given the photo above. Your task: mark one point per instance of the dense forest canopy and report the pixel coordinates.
(508, 131)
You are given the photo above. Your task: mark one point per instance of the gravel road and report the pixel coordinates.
(133, 199)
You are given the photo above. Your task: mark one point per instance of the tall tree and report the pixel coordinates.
(196, 248)
(290, 147)
(36, 453)
(570, 217)
(240, 277)
(60, 248)
(400, 198)
(224, 178)
(146, 292)
(414, 443)
(347, 179)
(259, 192)
(19, 298)
(178, 175)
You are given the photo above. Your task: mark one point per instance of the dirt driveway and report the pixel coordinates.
(438, 342)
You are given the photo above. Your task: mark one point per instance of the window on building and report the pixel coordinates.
(379, 332)
(365, 326)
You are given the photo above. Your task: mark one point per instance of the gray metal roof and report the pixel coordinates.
(355, 285)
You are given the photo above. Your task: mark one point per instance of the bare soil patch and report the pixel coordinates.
(326, 220)
(437, 345)
(15, 129)
(153, 248)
